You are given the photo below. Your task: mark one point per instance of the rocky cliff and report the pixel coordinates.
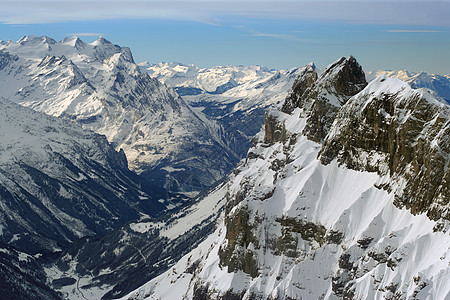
(314, 210)
(99, 86)
(394, 130)
(59, 182)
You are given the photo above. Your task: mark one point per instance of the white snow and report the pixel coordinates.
(99, 85)
(255, 86)
(202, 210)
(172, 169)
(339, 199)
(436, 85)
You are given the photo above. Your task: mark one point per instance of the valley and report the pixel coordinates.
(168, 181)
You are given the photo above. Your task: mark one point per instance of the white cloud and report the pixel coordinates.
(212, 11)
(407, 30)
(281, 36)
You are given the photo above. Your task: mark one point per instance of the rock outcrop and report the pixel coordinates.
(397, 131)
(59, 182)
(323, 205)
(321, 96)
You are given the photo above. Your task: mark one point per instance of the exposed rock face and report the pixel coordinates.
(275, 131)
(304, 81)
(301, 224)
(99, 86)
(335, 86)
(321, 97)
(236, 255)
(392, 129)
(59, 182)
(346, 76)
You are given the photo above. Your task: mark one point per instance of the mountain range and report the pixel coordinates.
(344, 194)
(438, 84)
(99, 86)
(59, 183)
(167, 181)
(234, 97)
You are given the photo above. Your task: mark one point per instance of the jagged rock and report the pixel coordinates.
(320, 97)
(59, 182)
(341, 80)
(393, 129)
(274, 130)
(99, 86)
(326, 229)
(304, 81)
(236, 255)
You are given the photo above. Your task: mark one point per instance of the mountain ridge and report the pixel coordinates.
(60, 182)
(296, 228)
(435, 82)
(100, 86)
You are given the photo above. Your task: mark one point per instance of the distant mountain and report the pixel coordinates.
(100, 86)
(233, 97)
(344, 194)
(437, 83)
(59, 182)
(192, 80)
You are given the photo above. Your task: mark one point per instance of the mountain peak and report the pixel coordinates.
(311, 65)
(75, 42)
(320, 97)
(345, 76)
(390, 128)
(26, 38)
(305, 80)
(101, 41)
(32, 39)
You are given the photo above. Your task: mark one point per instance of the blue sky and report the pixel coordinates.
(412, 35)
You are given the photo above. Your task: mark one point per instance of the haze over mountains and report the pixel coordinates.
(342, 192)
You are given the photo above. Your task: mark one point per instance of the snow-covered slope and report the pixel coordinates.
(437, 83)
(192, 80)
(100, 86)
(235, 98)
(301, 224)
(23, 276)
(101, 267)
(59, 182)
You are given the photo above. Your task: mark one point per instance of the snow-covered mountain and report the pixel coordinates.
(234, 97)
(193, 80)
(22, 276)
(59, 182)
(101, 267)
(100, 86)
(344, 194)
(437, 83)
